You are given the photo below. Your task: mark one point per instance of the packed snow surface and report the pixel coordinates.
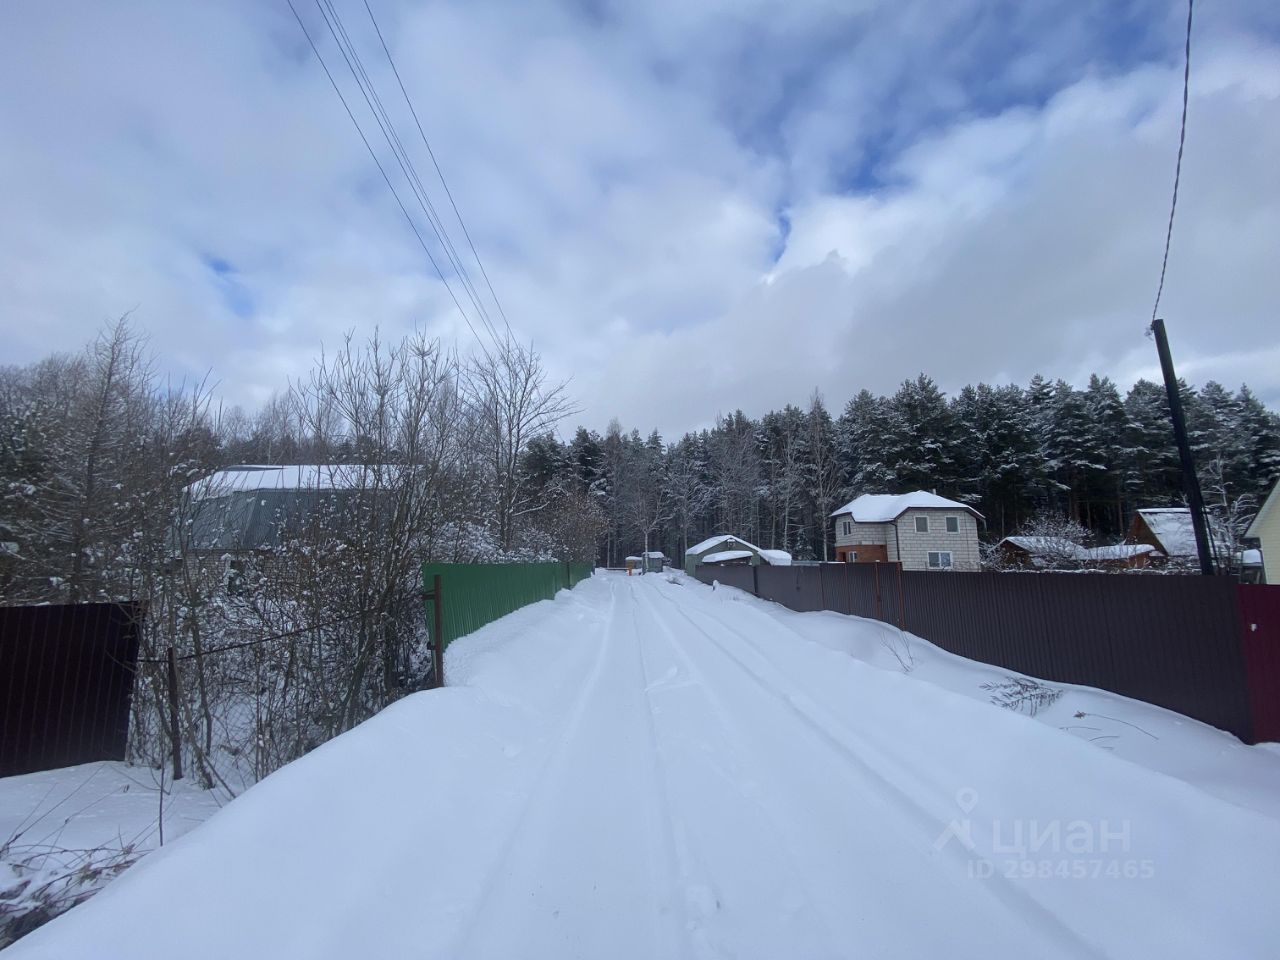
(887, 507)
(646, 767)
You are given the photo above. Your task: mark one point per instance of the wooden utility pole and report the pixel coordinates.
(1190, 482)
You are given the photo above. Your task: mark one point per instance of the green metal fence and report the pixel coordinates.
(473, 594)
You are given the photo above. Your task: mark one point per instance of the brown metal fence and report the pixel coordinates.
(66, 675)
(1206, 647)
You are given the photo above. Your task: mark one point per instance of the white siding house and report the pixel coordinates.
(1266, 529)
(920, 530)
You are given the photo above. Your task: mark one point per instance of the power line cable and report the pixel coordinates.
(1177, 173)
(355, 64)
(440, 173)
(372, 100)
(386, 179)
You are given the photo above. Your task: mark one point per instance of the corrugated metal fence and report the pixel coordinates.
(1206, 647)
(66, 676)
(474, 594)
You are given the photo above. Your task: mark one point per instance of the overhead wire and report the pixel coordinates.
(386, 179)
(439, 173)
(355, 63)
(373, 101)
(1177, 172)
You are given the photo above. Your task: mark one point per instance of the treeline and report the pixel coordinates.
(1092, 455)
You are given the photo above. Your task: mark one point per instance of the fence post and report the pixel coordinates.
(879, 610)
(173, 714)
(902, 603)
(437, 626)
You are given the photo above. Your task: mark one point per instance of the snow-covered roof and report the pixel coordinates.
(255, 507)
(636, 559)
(312, 476)
(777, 558)
(1172, 528)
(1047, 547)
(724, 555)
(718, 539)
(1064, 549)
(656, 555)
(887, 507)
(1118, 551)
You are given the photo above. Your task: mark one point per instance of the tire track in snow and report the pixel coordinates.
(855, 750)
(541, 782)
(739, 747)
(677, 853)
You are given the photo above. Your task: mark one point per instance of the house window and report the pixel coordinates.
(922, 524)
(953, 524)
(848, 528)
(939, 559)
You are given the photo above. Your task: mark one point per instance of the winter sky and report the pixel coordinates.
(688, 207)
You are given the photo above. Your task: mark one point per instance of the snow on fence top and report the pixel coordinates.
(887, 507)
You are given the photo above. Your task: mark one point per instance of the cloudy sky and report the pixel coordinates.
(688, 207)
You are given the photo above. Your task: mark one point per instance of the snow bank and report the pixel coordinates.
(65, 833)
(1160, 740)
(645, 767)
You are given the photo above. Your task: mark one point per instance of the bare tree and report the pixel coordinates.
(513, 402)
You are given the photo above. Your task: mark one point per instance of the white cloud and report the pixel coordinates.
(964, 196)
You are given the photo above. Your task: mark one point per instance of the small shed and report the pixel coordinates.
(634, 564)
(654, 561)
(728, 549)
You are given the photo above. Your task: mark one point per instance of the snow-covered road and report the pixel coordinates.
(644, 768)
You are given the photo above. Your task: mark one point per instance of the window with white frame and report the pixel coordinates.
(953, 524)
(848, 528)
(939, 559)
(922, 524)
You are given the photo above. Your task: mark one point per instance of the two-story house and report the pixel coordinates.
(920, 530)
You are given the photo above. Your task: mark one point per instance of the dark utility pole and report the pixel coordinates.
(1190, 482)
